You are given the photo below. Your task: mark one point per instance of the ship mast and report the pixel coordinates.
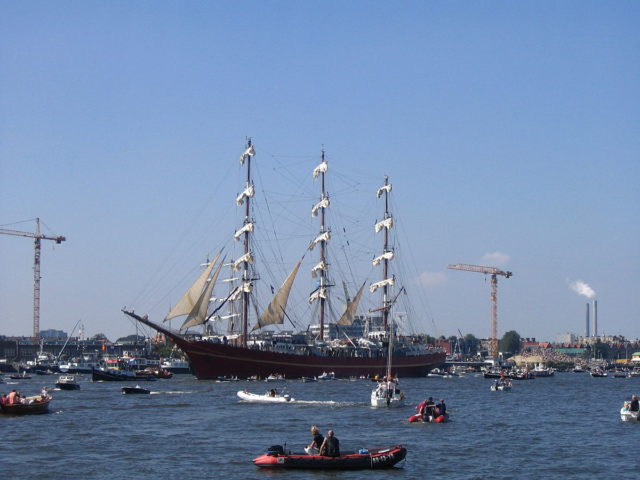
(245, 196)
(385, 264)
(323, 237)
(387, 254)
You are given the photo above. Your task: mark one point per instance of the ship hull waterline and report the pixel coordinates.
(213, 360)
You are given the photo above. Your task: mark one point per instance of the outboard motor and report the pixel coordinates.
(275, 450)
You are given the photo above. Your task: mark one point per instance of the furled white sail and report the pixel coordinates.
(198, 314)
(386, 223)
(320, 266)
(382, 283)
(384, 188)
(274, 313)
(323, 237)
(319, 293)
(351, 308)
(246, 193)
(248, 227)
(247, 152)
(247, 257)
(189, 299)
(324, 203)
(384, 256)
(322, 168)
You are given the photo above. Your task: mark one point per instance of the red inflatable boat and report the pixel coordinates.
(374, 458)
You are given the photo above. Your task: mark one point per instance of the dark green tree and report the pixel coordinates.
(470, 343)
(510, 342)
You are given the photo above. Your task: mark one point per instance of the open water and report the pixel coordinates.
(562, 427)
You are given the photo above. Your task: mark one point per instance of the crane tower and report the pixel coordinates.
(36, 268)
(494, 272)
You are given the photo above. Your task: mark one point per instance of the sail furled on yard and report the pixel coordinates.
(351, 308)
(198, 314)
(248, 227)
(274, 313)
(322, 168)
(320, 266)
(385, 188)
(247, 257)
(249, 151)
(323, 237)
(387, 282)
(190, 298)
(384, 256)
(324, 203)
(318, 293)
(386, 223)
(248, 192)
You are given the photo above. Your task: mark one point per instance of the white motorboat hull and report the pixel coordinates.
(501, 388)
(255, 398)
(628, 416)
(381, 401)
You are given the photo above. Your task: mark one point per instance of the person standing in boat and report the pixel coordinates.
(441, 407)
(331, 446)
(314, 447)
(634, 406)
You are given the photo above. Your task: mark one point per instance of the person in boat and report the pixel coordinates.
(429, 410)
(330, 446)
(314, 447)
(13, 397)
(634, 406)
(273, 392)
(420, 406)
(441, 407)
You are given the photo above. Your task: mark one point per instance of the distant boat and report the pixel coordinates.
(269, 397)
(598, 372)
(113, 375)
(176, 366)
(20, 376)
(135, 390)
(67, 382)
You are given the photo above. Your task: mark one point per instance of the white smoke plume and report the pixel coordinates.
(582, 288)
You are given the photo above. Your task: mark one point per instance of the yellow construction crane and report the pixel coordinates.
(494, 272)
(36, 269)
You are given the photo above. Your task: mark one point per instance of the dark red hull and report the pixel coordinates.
(212, 360)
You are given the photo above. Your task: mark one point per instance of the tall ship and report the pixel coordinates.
(249, 349)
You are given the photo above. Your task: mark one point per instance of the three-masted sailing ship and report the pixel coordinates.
(246, 355)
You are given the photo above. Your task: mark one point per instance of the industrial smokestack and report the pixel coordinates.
(588, 320)
(595, 318)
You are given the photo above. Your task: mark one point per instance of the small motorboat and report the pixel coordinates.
(135, 390)
(272, 396)
(373, 458)
(387, 396)
(627, 415)
(326, 376)
(501, 386)
(20, 376)
(32, 405)
(67, 382)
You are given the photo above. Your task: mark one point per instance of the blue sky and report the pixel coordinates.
(510, 130)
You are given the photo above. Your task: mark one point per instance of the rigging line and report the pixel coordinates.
(19, 222)
(185, 234)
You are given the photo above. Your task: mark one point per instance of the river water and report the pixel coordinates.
(565, 427)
